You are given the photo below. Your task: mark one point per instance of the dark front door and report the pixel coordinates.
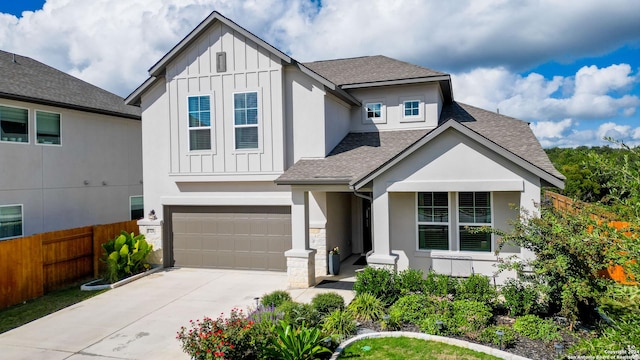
(366, 226)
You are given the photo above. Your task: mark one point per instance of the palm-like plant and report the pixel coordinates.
(299, 343)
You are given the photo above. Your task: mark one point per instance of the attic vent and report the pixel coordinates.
(221, 61)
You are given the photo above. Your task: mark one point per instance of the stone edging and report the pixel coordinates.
(456, 342)
(89, 287)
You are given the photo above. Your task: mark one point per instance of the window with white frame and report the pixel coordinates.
(10, 221)
(474, 211)
(433, 221)
(136, 207)
(14, 124)
(411, 108)
(48, 128)
(374, 111)
(199, 122)
(245, 120)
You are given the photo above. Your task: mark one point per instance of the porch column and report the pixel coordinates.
(530, 200)
(300, 259)
(318, 229)
(382, 256)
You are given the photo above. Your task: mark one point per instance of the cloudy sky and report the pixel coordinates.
(570, 67)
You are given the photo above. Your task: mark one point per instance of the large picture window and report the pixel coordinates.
(199, 122)
(245, 112)
(48, 128)
(10, 221)
(474, 210)
(433, 221)
(14, 124)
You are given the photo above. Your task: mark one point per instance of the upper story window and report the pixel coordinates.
(374, 112)
(14, 124)
(411, 108)
(199, 122)
(48, 128)
(433, 221)
(474, 210)
(10, 221)
(136, 206)
(245, 120)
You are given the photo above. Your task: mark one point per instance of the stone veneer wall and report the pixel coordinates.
(318, 241)
(152, 231)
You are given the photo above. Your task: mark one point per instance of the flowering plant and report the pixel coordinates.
(222, 338)
(334, 251)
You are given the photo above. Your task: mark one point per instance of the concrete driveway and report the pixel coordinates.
(140, 320)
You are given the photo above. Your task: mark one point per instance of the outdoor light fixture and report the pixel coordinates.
(500, 333)
(257, 299)
(439, 325)
(559, 348)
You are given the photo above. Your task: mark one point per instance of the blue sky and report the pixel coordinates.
(569, 67)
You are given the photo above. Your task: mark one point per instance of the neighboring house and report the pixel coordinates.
(70, 153)
(253, 160)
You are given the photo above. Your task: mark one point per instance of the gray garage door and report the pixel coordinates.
(252, 238)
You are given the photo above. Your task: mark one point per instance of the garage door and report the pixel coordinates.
(252, 238)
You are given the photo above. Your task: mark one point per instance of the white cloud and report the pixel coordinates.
(550, 129)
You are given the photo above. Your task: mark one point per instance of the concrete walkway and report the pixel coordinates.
(140, 320)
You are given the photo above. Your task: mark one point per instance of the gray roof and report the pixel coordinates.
(369, 69)
(30, 80)
(361, 154)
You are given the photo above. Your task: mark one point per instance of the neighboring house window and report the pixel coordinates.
(474, 210)
(245, 120)
(411, 108)
(47, 128)
(10, 221)
(136, 206)
(374, 111)
(199, 122)
(14, 124)
(433, 221)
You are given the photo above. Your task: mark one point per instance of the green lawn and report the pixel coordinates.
(20, 314)
(404, 348)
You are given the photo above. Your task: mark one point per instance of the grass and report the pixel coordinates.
(404, 348)
(18, 315)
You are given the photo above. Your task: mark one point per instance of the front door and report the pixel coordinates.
(366, 226)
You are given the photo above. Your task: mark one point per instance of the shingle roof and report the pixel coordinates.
(30, 80)
(368, 69)
(360, 154)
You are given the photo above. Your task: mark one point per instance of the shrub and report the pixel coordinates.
(340, 324)
(366, 307)
(440, 285)
(125, 255)
(392, 322)
(413, 308)
(429, 325)
(298, 313)
(410, 281)
(489, 336)
(275, 298)
(327, 303)
(536, 328)
(476, 288)
(296, 343)
(520, 298)
(469, 317)
(378, 282)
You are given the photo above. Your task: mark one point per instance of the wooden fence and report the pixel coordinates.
(35, 265)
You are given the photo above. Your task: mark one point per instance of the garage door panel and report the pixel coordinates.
(260, 245)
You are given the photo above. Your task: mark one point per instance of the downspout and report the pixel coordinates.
(370, 198)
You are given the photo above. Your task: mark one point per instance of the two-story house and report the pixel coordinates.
(253, 160)
(70, 152)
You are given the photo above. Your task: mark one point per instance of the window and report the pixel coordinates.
(14, 124)
(411, 108)
(47, 128)
(10, 221)
(433, 221)
(245, 113)
(374, 111)
(474, 210)
(199, 122)
(136, 206)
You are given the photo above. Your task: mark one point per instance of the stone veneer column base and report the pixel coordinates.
(301, 268)
(388, 261)
(318, 242)
(152, 231)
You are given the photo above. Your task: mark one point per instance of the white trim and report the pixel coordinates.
(21, 222)
(456, 185)
(238, 177)
(35, 121)
(259, 125)
(235, 198)
(366, 120)
(28, 126)
(211, 127)
(398, 82)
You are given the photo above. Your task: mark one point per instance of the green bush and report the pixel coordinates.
(275, 298)
(125, 255)
(410, 281)
(327, 302)
(298, 313)
(520, 298)
(366, 307)
(476, 288)
(429, 325)
(413, 308)
(489, 336)
(378, 282)
(536, 328)
(391, 322)
(296, 343)
(339, 324)
(469, 317)
(440, 285)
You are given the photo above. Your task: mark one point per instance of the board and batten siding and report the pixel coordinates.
(249, 68)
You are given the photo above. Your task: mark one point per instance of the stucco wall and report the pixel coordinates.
(49, 180)
(339, 222)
